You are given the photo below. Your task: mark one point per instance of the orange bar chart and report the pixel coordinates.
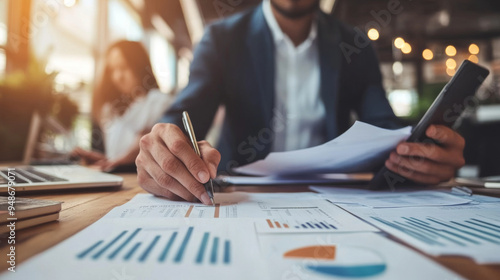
(276, 224)
(189, 211)
(217, 210)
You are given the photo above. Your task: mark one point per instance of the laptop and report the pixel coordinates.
(25, 177)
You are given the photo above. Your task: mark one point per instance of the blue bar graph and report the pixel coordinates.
(490, 224)
(164, 254)
(115, 252)
(482, 225)
(203, 246)
(182, 249)
(87, 251)
(103, 250)
(316, 225)
(130, 253)
(213, 255)
(128, 246)
(437, 232)
(145, 255)
(227, 252)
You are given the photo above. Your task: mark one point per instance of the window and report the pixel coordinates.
(164, 62)
(400, 84)
(124, 22)
(64, 36)
(3, 34)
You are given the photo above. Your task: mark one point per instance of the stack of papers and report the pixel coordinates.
(435, 222)
(362, 148)
(245, 236)
(390, 199)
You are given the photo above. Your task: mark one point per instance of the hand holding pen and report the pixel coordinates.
(168, 166)
(209, 186)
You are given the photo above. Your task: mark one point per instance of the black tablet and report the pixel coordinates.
(455, 98)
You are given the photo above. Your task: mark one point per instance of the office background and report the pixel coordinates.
(420, 45)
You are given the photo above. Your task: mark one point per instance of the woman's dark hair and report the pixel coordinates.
(105, 92)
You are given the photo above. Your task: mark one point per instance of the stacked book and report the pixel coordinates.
(26, 212)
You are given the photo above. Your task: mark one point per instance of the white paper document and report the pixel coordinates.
(151, 249)
(151, 237)
(345, 256)
(471, 230)
(245, 236)
(333, 178)
(360, 149)
(271, 213)
(389, 199)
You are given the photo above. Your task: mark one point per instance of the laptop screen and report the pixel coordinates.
(18, 138)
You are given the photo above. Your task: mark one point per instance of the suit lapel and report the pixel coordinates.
(261, 47)
(329, 56)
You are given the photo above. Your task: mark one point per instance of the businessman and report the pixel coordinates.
(287, 82)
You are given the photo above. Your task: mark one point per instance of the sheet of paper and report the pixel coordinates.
(360, 149)
(154, 238)
(271, 213)
(345, 256)
(471, 230)
(295, 180)
(151, 249)
(388, 199)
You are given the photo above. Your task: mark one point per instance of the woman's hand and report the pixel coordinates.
(89, 157)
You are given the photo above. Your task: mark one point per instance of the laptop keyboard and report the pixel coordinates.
(27, 175)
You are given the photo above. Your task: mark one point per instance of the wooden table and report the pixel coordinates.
(82, 208)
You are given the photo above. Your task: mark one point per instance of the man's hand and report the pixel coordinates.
(426, 162)
(168, 166)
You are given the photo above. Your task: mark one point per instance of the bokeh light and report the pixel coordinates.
(427, 54)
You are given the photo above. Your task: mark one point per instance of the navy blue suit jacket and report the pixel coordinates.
(234, 65)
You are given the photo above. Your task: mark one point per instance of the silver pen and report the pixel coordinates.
(188, 126)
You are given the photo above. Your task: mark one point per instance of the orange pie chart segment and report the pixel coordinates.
(312, 252)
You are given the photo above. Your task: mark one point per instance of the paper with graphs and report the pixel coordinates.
(155, 238)
(390, 199)
(471, 230)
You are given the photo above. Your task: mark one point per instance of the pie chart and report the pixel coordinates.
(339, 261)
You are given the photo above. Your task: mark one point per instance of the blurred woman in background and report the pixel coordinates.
(125, 106)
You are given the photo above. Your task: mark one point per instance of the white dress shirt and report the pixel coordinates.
(299, 113)
(122, 132)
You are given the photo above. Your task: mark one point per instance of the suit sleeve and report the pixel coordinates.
(203, 94)
(373, 106)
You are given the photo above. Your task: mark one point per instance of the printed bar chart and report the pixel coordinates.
(436, 232)
(307, 217)
(164, 254)
(309, 225)
(127, 241)
(171, 247)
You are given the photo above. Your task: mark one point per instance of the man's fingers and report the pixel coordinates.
(210, 156)
(173, 167)
(411, 174)
(445, 136)
(150, 185)
(423, 166)
(431, 152)
(165, 181)
(180, 147)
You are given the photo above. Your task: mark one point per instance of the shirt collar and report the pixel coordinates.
(278, 34)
